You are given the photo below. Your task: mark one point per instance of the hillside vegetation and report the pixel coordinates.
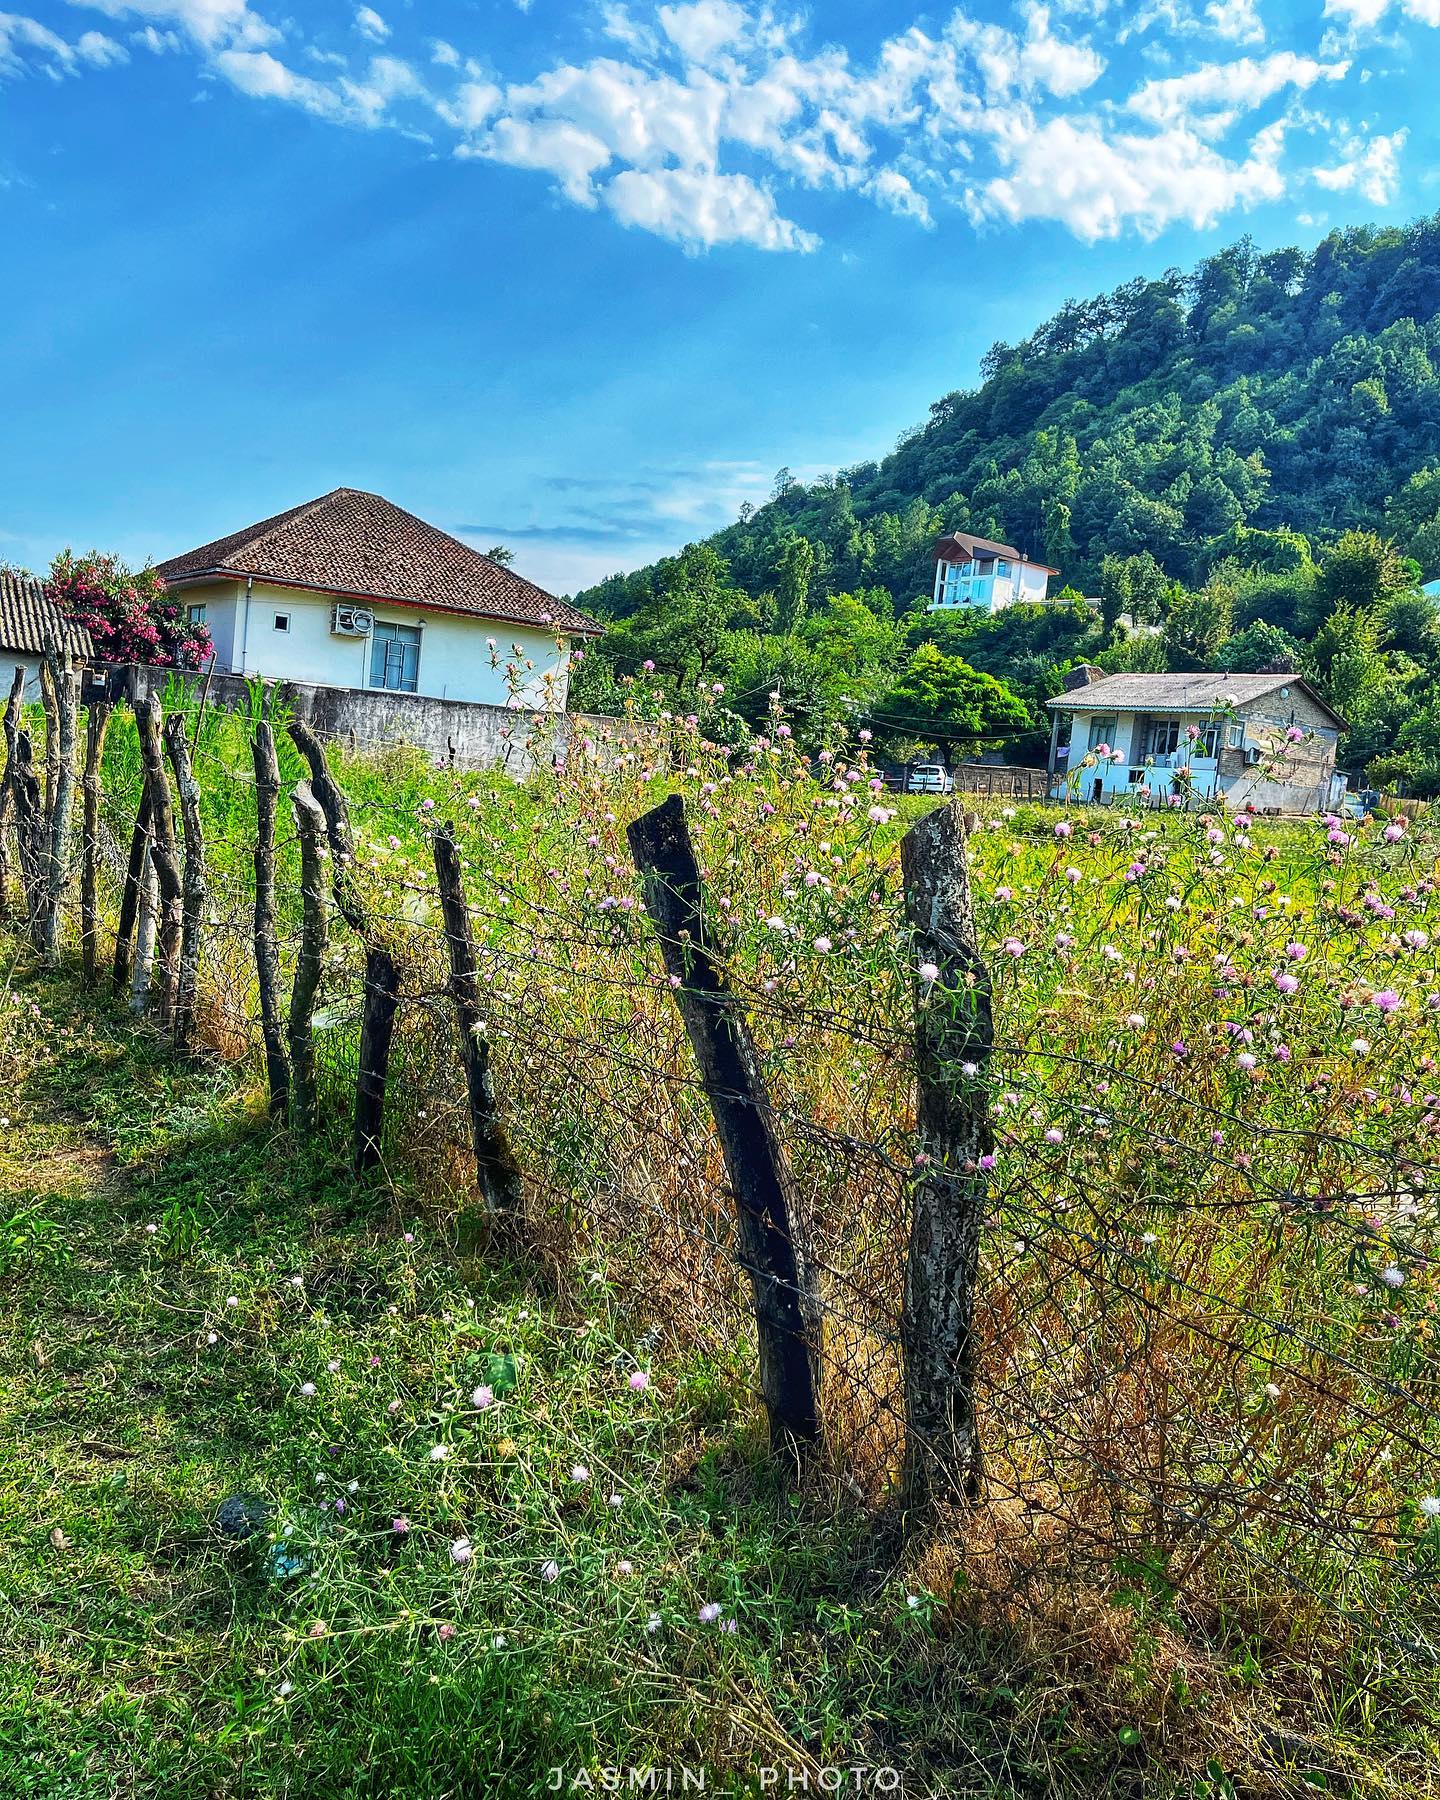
(1245, 459)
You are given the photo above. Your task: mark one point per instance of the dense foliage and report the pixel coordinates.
(129, 614)
(1239, 466)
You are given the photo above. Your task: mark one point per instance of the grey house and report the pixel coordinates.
(1266, 741)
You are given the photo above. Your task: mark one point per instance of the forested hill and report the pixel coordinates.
(1178, 433)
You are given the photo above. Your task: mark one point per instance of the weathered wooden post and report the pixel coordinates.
(267, 950)
(310, 962)
(382, 979)
(495, 1165)
(135, 868)
(163, 858)
(787, 1306)
(97, 724)
(11, 728)
(146, 913)
(29, 828)
(954, 1036)
(193, 882)
(63, 715)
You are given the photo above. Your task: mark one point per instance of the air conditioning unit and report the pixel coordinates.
(1252, 755)
(352, 621)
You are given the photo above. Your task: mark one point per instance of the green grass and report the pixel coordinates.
(1179, 1583)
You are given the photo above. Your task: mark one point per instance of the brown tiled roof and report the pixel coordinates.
(362, 546)
(978, 549)
(1208, 692)
(29, 615)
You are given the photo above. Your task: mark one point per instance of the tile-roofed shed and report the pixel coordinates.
(1203, 693)
(29, 616)
(364, 547)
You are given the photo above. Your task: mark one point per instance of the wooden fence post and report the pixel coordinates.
(62, 717)
(954, 1036)
(267, 951)
(97, 724)
(29, 828)
(11, 728)
(310, 962)
(382, 979)
(135, 869)
(495, 1165)
(787, 1308)
(147, 909)
(163, 858)
(193, 882)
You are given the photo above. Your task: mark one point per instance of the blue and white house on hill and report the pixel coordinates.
(976, 574)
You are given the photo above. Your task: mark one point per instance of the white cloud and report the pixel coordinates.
(1371, 169)
(1071, 172)
(28, 47)
(210, 23)
(700, 208)
(1214, 95)
(1238, 20)
(704, 120)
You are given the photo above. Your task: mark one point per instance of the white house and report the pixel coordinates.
(350, 591)
(1267, 741)
(29, 618)
(978, 575)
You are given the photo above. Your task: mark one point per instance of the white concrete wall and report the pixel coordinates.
(456, 658)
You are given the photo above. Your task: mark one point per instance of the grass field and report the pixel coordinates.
(518, 1514)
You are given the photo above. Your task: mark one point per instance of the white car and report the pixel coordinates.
(929, 778)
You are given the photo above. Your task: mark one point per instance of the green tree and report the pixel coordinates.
(943, 699)
(1258, 646)
(1197, 624)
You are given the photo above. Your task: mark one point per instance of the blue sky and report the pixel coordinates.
(581, 277)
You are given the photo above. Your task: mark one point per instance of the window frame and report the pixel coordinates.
(282, 621)
(383, 632)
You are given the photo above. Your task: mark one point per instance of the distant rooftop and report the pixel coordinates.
(29, 615)
(1209, 691)
(365, 547)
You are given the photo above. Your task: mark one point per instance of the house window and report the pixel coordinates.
(1208, 743)
(395, 657)
(282, 621)
(1102, 731)
(196, 614)
(1002, 569)
(1164, 737)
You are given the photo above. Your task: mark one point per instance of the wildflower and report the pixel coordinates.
(652, 1624)
(987, 1162)
(1013, 947)
(212, 1337)
(1430, 1506)
(445, 1633)
(639, 1381)
(624, 1568)
(823, 945)
(461, 1550)
(401, 1525)
(1136, 1021)
(709, 1612)
(579, 1473)
(1287, 984)
(439, 1452)
(1394, 832)
(614, 1502)
(1296, 952)
(1393, 1277)
(1245, 1060)
(1064, 829)
(1387, 1000)
(1054, 1136)
(1359, 1046)
(929, 971)
(1271, 1391)
(550, 1572)
(307, 1387)
(483, 1397)
(394, 1406)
